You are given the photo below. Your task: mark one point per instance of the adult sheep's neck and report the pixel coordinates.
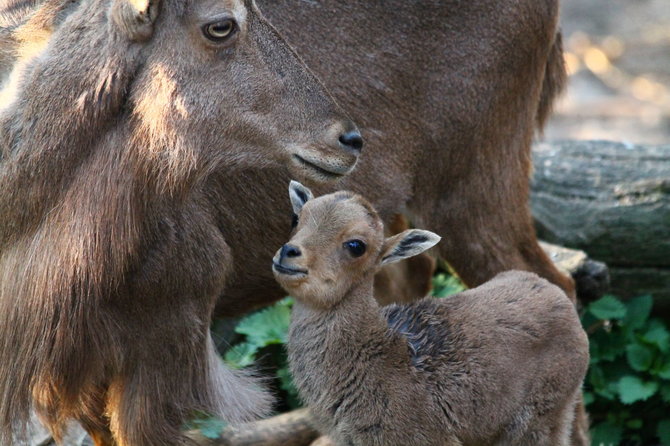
(349, 343)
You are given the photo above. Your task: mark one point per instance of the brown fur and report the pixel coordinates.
(114, 117)
(448, 114)
(128, 205)
(447, 95)
(501, 364)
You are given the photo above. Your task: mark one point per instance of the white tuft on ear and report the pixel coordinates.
(299, 195)
(408, 244)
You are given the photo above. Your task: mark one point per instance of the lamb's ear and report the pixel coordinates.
(299, 195)
(407, 244)
(135, 18)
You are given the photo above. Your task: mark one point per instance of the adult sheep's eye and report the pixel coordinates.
(219, 31)
(355, 247)
(294, 222)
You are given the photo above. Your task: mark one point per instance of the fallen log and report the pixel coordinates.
(612, 201)
(289, 429)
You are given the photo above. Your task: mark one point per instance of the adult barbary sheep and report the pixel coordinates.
(146, 186)
(501, 364)
(113, 121)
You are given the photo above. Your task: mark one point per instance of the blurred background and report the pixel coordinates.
(618, 56)
(612, 200)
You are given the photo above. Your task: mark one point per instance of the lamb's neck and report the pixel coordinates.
(355, 319)
(330, 349)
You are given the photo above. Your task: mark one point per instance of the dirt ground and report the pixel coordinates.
(618, 54)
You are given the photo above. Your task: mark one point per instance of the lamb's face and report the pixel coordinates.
(337, 242)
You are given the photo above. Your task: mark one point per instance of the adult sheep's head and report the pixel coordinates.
(193, 85)
(220, 85)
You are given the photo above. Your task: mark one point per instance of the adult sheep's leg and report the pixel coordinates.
(94, 421)
(160, 391)
(168, 366)
(480, 204)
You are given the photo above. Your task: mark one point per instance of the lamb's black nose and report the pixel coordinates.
(352, 140)
(289, 251)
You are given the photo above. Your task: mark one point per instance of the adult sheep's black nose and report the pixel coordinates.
(289, 251)
(352, 140)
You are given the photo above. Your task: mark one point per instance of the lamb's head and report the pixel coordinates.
(338, 241)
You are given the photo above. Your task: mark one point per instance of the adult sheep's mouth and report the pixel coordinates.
(329, 171)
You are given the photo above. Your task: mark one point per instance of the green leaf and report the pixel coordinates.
(640, 357)
(208, 425)
(632, 389)
(601, 386)
(607, 346)
(606, 434)
(589, 398)
(635, 423)
(664, 370)
(286, 383)
(638, 310)
(266, 327)
(663, 432)
(241, 355)
(211, 428)
(445, 285)
(657, 334)
(665, 393)
(608, 307)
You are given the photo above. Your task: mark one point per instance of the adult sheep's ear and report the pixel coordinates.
(135, 18)
(299, 195)
(407, 244)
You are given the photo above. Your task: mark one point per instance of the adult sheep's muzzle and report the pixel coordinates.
(332, 160)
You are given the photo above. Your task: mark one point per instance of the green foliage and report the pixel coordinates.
(445, 284)
(608, 307)
(208, 425)
(262, 331)
(627, 388)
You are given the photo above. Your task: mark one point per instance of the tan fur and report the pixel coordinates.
(111, 247)
(501, 364)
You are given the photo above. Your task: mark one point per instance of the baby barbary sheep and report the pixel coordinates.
(501, 364)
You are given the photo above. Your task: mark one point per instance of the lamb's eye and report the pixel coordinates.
(294, 222)
(219, 31)
(355, 247)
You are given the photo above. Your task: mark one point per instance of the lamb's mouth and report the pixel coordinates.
(330, 172)
(288, 271)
